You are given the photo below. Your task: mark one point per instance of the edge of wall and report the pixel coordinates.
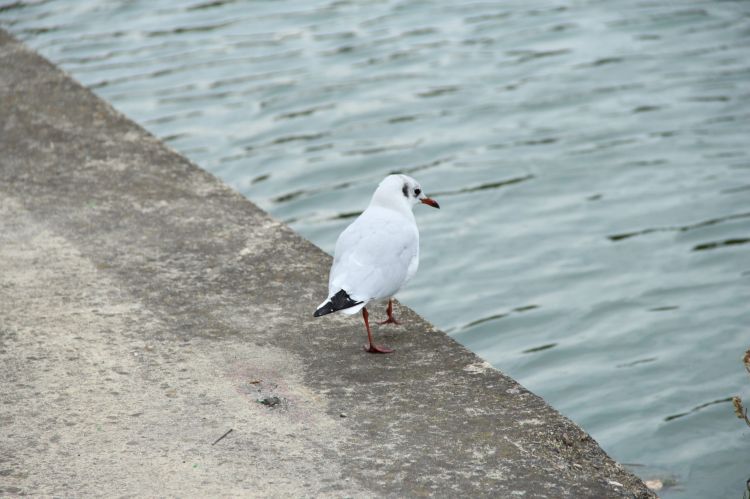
(146, 309)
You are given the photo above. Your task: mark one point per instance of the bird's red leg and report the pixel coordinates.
(372, 347)
(389, 310)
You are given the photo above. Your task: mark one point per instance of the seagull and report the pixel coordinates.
(377, 254)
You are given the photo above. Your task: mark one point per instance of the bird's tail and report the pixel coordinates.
(339, 301)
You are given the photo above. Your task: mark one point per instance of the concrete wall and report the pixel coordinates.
(146, 309)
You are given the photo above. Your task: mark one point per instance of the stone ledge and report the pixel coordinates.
(146, 309)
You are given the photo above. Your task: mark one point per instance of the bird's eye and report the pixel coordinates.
(417, 192)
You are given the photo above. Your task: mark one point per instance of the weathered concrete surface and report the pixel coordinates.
(145, 308)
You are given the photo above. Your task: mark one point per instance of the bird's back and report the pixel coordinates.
(375, 255)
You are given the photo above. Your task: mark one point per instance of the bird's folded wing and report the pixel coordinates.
(373, 256)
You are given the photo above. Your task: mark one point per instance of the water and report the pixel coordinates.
(590, 158)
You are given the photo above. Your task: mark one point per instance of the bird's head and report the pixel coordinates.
(397, 190)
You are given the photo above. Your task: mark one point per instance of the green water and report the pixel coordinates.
(590, 158)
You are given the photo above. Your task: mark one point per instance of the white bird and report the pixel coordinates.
(377, 254)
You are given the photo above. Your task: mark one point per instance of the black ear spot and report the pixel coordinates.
(405, 190)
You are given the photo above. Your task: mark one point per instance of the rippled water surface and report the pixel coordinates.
(591, 159)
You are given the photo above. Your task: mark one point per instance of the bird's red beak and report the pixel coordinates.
(431, 202)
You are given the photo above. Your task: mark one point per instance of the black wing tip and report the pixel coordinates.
(339, 301)
(325, 309)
